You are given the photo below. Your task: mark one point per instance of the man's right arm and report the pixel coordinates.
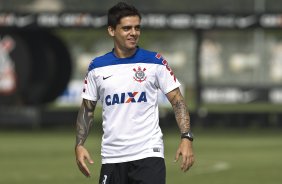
(84, 121)
(83, 125)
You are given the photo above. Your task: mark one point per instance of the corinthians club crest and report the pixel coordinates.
(139, 74)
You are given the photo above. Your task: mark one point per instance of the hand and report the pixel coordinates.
(82, 155)
(185, 150)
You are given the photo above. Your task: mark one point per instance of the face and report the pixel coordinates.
(126, 34)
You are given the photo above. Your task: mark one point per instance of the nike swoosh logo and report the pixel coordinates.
(104, 78)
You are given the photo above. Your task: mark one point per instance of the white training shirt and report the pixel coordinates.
(128, 90)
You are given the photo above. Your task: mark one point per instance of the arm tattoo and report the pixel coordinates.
(84, 121)
(181, 112)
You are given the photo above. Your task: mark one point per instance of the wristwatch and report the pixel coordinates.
(187, 135)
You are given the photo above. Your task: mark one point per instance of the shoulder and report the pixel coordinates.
(101, 61)
(151, 57)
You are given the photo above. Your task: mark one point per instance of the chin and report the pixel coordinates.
(132, 47)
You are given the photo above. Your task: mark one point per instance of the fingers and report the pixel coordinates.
(82, 155)
(83, 168)
(187, 162)
(177, 155)
(82, 165)
(187, 159)
(184, 164)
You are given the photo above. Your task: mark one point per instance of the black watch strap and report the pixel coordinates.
(187, 135)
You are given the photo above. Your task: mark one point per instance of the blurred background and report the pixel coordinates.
(226, 53)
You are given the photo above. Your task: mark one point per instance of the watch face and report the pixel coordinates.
(188, 135)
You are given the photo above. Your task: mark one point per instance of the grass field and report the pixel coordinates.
(222, 157)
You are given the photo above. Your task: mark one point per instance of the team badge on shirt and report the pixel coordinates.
(139, 75)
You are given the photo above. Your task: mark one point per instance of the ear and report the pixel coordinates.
(111, 31)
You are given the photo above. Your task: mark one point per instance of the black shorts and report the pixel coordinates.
(145, 171)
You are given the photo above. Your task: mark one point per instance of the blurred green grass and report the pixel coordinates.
(223, 156)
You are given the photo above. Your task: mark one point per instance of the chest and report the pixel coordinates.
(126, 78)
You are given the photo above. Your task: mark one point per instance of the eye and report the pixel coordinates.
(137, 28)
(126, 28)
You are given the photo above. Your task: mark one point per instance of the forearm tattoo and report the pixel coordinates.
(181, 112)
(84, 121)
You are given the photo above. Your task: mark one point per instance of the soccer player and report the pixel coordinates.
(126, 81)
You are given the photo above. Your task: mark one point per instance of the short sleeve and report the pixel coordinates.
(90, 90)
(166, 79)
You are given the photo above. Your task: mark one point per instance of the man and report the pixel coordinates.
(127, 81)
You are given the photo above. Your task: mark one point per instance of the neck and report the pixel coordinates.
(124, 53)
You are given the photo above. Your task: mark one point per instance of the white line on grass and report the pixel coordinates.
(218, 166)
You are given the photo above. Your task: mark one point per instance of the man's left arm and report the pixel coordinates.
(183, 121)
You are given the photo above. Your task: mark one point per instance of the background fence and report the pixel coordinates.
(228, 59)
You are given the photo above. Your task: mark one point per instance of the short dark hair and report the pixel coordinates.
(119, 11)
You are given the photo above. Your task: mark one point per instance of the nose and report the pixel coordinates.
(133, 32)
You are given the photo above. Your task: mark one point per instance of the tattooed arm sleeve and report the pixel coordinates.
(84, 121)
(180, 110)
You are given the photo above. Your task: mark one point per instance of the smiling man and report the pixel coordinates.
(126, 35)
(126, 81)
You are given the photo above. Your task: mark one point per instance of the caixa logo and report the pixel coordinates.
(129, 97)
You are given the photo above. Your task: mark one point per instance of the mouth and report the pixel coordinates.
(132, 40)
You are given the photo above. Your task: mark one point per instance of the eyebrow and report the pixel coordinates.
(137, 26)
